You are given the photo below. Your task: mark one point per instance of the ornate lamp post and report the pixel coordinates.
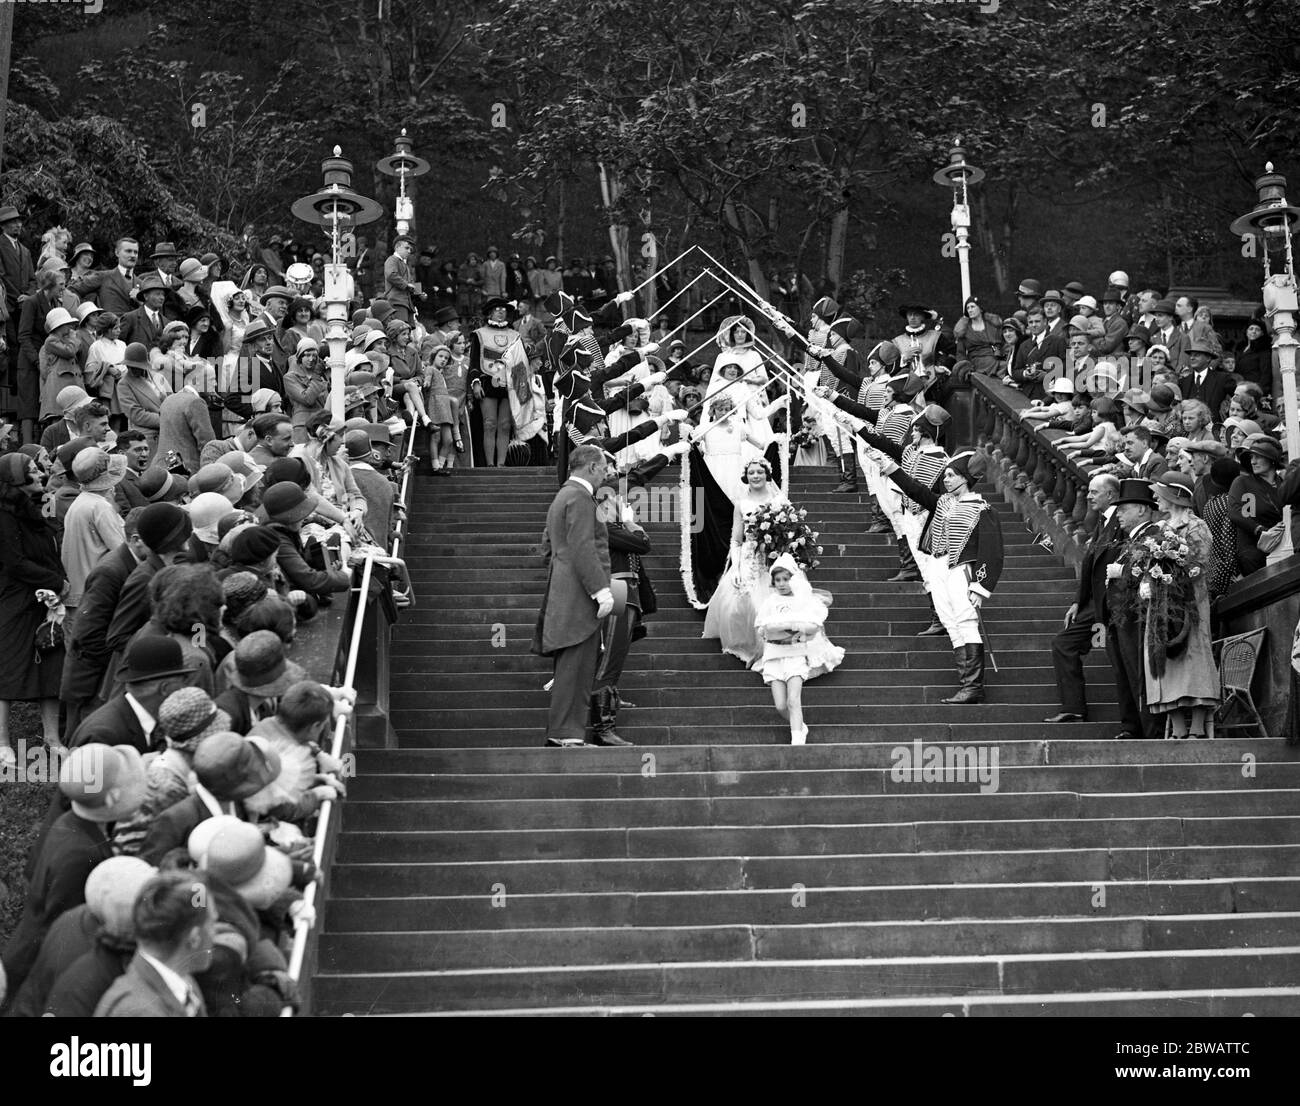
(402, 163)
(958, 175)
(337, 208)
(1271, 224)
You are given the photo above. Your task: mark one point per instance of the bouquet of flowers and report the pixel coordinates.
(807, 434)
(1162, 575)
(778, 528)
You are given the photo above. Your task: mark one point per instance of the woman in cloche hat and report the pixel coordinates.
(1186, 686)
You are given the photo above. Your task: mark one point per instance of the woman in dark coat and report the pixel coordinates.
(1253, 503)
(29, 560)
(1254, 361)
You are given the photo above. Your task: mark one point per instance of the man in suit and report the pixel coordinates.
(165, 530)
(1037, 356)
(1087, 614)
(145, 323)
(1192, 331)
(1164, 331)
(155, 667)
(86, 657)
(577, 598)
(100, 784)
(1139, 459)
(113, 289)
(18, 274)
(1202, 380)
(175, 931)
(184, 423)
(1135, 507)
(397, 280)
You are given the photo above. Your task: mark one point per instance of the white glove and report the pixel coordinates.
(1114, 571)
(818, 351)
(604, 602)
(625, 297)
(822, 392)
(676, 449)
(654, 378)
(784, 327)
(778, 404)
(675, 415)
(627, 515)
(648, 349)
(302, 914)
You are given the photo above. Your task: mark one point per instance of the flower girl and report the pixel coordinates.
(796, 648)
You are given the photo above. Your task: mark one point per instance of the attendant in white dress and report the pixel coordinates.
(744, 584)
(796, 648)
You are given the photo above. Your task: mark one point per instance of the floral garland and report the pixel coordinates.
(685, 505)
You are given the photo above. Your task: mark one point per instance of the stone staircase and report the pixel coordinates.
(714, 869)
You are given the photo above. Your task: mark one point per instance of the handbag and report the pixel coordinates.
(1271, 538)
(49, 636)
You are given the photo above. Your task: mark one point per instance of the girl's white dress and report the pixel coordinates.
(805, 659)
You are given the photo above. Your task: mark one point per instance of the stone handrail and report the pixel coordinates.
(1048, 487)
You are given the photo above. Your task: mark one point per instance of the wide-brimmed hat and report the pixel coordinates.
(1176, 488)
(1200, 345)
(258, 328)
(97, 471)
(1248, 427)
(60, 316)
(445, 315)
(1075, 288)
(1136, 491)
(496, 301)
(206, 510)
(8, 211)
(1164, 307)
(286, 502)
(164, 249)
(1062, 386)
(1207, 445)
(111, 890)
(1261, 445)
(262, 667)
(193, 270)
(279, 291)
(918, 308)
(236, 853)
(243, 466)
(234, 767)
(1112, 295)
(66, 454)
(105, 783)
(85, 310)
(1138, 331)
(151, 282)
(379, 433)
(1053, 296)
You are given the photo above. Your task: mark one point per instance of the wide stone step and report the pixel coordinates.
(763, 732)
(372, 951)
(413, 693)
(830, 979)
(1212, 1003)
(362, 846)
(671, 598)
(765, 873)
(958, 802)
(976, 766)
(433, 625)
(811, 905)
(811, 758)
(417, 672)
(863, 651)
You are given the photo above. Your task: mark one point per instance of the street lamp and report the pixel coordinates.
(1271, 224)
(402, 163)
(338, 208)
(958, 174)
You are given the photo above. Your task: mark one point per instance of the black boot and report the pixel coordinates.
(936, 627)
(970, 670)
(879, 520)
(849, 473)
(907, 569)
(606, 714)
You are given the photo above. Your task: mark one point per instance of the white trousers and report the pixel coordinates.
(950, 591)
